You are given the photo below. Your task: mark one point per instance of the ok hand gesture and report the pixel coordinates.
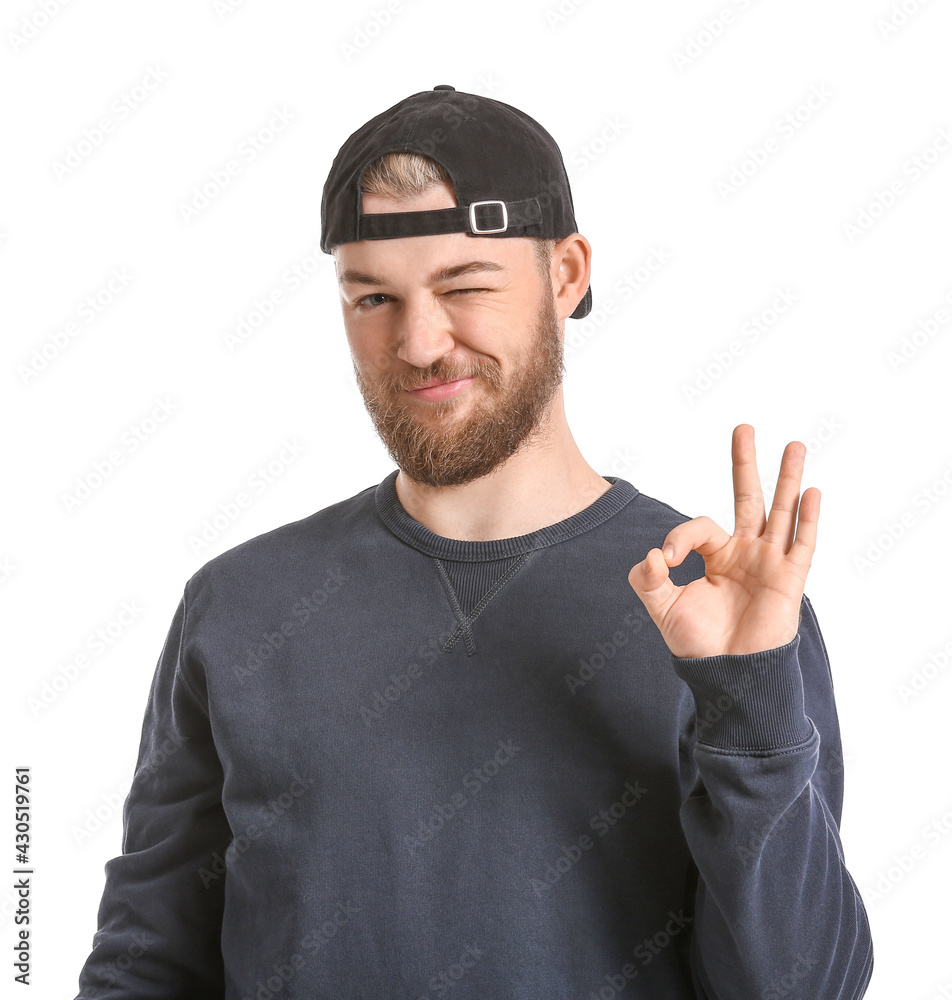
(749, 597)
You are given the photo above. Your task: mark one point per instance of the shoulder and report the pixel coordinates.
(289, 547)
(644, 524)
(659, 511)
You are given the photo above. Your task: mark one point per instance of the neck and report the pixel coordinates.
(543, 483)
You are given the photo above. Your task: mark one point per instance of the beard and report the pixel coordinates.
(432, 448)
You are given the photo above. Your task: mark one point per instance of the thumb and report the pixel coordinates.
(651, 581)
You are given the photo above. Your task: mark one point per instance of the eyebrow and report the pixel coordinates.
(354, 277)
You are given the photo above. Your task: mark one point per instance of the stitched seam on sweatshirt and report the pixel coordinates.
(462, 627)
(799, 747)
(465, 621)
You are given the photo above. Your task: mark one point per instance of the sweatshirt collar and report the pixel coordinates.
(395, 517)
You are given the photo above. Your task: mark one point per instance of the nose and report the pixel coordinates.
(425, 333)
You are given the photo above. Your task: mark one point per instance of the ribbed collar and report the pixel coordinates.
(395, 517)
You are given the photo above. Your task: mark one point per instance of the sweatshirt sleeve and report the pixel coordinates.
(776, 913)
(159, 928)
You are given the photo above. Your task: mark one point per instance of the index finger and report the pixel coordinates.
(749, 516)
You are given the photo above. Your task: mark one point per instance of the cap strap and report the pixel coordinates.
(488, 217)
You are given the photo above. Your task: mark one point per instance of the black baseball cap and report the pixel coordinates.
(507, 172)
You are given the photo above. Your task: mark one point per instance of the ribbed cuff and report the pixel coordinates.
(749, 701)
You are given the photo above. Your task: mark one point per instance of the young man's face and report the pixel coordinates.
(474, 313)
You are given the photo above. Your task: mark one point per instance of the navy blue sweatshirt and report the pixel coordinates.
(381, 763)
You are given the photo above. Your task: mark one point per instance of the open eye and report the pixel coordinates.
(366, 302)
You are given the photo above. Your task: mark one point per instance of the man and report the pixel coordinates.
(427, 742)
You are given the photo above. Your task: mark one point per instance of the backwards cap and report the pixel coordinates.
(507, 174)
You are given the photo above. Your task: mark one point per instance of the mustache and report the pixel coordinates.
(445, 373)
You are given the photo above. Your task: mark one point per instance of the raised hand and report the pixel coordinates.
(749, 597)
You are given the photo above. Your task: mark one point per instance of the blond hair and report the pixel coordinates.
(408, 175)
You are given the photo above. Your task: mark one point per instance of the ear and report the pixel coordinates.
(571, 271)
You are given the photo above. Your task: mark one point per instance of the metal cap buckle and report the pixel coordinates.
(472, 217)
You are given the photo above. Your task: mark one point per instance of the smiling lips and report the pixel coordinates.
(437, 389)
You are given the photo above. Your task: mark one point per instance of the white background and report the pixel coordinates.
(651, 128)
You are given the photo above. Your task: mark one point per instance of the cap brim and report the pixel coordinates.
(585, 306)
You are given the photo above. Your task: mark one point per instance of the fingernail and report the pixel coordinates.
(669, 552)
